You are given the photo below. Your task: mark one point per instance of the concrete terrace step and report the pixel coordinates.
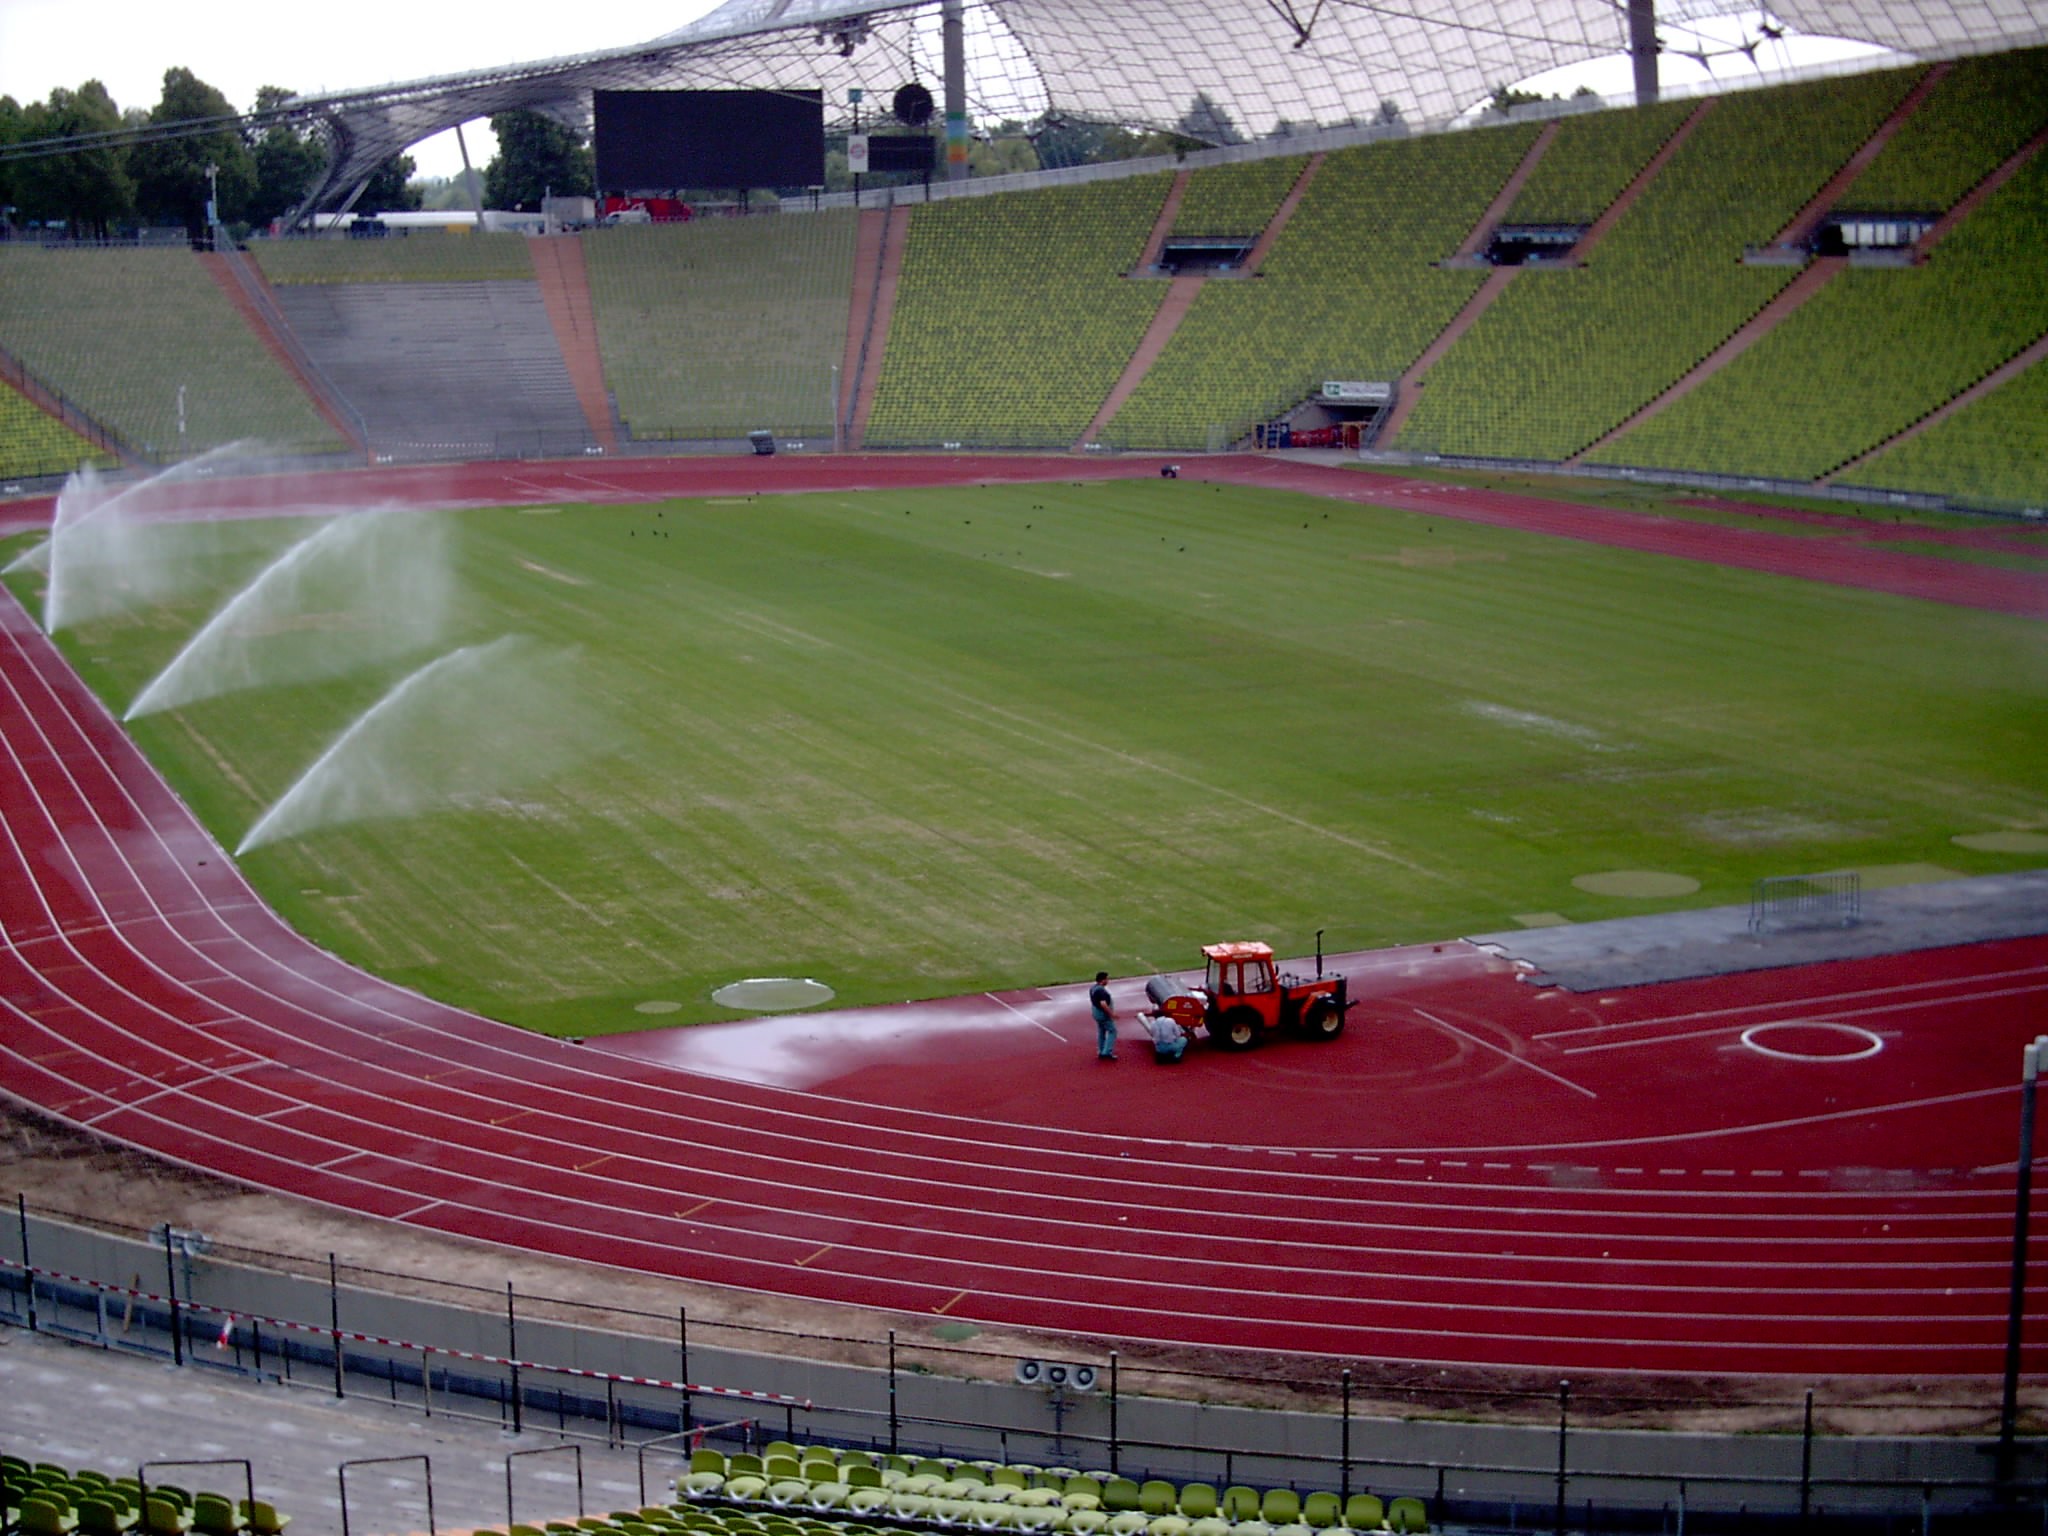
(440, 361)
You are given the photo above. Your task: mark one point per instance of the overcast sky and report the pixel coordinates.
(239, 45)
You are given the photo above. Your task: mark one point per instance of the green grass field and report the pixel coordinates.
(913, 743)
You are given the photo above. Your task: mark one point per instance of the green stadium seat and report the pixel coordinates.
(1322, 1510)
(1408, 1515)
(1365, 1512)
(1240, 1503)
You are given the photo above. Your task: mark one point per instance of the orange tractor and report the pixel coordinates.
(1243, 997)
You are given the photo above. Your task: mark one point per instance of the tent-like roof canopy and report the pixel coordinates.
(1258, 63)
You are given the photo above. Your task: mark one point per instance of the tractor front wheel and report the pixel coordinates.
(1322, 1019)
(1239, 1029)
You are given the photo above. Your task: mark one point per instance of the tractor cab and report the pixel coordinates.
(1239, 970)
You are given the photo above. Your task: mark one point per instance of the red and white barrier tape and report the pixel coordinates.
(230, 1319)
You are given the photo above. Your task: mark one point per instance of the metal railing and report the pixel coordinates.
(1565, 1467)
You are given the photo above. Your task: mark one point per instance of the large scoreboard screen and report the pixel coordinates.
(655, 141)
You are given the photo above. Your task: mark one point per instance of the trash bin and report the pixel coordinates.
(764, 442)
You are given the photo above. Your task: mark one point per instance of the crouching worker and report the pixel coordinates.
(1169, 1040)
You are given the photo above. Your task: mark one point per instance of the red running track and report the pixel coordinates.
(1804, 1171)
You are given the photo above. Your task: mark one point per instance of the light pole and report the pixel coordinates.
(212, 205)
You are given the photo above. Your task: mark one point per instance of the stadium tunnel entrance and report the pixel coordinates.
(1344, 413)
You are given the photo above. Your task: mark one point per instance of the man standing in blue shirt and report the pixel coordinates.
(1105, 1018)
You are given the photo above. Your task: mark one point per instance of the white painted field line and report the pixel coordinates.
(1819, 1001)
(1023, 725)
(1023, 1015)
(1823, 1015)
(1510, 1055)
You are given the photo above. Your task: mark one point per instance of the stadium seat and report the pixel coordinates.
(1198, 1501)
(1322, 1510)
(1120, 1496)
(1408, 1515)
(41, 1515)
(103, 1516)
(1364, 1512)
(1280, 1506)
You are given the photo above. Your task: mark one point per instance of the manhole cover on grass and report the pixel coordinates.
(658, 1005)
(1636, 882)
(771, 994)
(2003, 842)
(955, 1333)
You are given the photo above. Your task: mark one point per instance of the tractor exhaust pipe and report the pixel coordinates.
(1319, 952)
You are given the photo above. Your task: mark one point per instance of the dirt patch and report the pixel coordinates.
(2003, 842)
(1642, 883)
(73, 1176)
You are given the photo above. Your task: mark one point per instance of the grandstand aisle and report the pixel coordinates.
(442, 364)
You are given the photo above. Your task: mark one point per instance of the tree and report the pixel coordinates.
(1506, 98)
(171, 181)
(11, 124)
(87, 190)
(536, 156)
(1006, 151)
(1061, 142)
(288, 160)
(390, 188)
(1206, 122)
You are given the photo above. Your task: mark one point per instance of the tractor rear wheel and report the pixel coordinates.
(1322, 1019)
(1239, 1029)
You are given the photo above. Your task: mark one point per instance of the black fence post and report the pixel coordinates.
(28, 1275)
(334, 1321)
(683, 1375)
(1115, 1449)
(1344, 1452)
(892, 1392)
(1806, 1465)
(512, 1354)
(171, 1286)
(1564, 1409)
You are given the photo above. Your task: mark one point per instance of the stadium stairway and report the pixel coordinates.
(1408, 390)
(877, 274)
(1496, 283)
(1803, 223)
(1181, 292)
(240, 280)
(1469, 248)
(469, 367)
(1264, 244)
(1967, 203)
(1822, 271)
(1162, 227)
(1611, 215)
(1817, 276)
(565, 290)
(1180, 296)
(2003, 374)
